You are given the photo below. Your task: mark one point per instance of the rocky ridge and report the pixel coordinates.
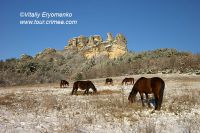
(94, 46)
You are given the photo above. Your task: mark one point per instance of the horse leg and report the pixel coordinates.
(72, 91)
(160, 98)
(159, 104)
(86, 91)
(147, 98)
(76, 91)
(156, 102)
(142, 98)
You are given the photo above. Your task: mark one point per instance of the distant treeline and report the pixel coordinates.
(51, 66)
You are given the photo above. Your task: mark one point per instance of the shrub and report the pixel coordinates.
(51, 65)
(78, 76)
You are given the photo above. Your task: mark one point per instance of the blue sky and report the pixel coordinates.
(147, 24)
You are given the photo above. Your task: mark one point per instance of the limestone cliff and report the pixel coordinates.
(95, 46)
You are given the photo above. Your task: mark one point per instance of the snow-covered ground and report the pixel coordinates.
(52, 109)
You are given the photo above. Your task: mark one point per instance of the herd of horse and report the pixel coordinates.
(142, 86)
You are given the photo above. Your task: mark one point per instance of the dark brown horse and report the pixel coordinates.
(63, 83)
(144, 85)
(83, 85)
(126, 80)
(109, 80)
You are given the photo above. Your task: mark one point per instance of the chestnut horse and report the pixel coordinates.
(109, 80)
(83, 85)
(131, 80)
(63, 83)
(144, 85)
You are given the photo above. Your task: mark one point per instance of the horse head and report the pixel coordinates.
(94, 89)
(132, 95)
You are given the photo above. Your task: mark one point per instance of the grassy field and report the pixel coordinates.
(48, 108)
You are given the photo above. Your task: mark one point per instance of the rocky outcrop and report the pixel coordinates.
(94, 46)
(46, 53)
(26, 57)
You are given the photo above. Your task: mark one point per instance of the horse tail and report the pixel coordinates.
(61, 84)
(161, 92)
(123, 81)
(75, 87)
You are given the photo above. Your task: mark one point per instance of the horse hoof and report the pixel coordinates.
(152, 111)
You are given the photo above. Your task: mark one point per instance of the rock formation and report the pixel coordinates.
(94, 45)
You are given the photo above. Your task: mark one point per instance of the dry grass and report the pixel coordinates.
(108, 92)
(101, 92)
(184, 102)
(74, 113)
(7, 100)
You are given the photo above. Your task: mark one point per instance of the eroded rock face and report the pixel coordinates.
(110, 37)
(94, 46)
(44, 54)
(26, 57)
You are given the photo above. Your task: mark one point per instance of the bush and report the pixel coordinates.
(78, 76)
(52, 65)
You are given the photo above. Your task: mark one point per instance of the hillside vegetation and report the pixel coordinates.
(52, 65)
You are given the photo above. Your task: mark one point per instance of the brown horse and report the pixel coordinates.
(153, 85)
(83, 85)
(63, 83)
(126, 80)
(109, 80)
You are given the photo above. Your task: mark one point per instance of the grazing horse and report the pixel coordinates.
(83, 85)
(109, 80)
(126, 80)
(144, 85)
(63, 83)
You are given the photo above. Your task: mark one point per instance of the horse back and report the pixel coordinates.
(143, 85)
(85, 84)
(109, 80)
(128, 80)
(75, 85)
(157, 84)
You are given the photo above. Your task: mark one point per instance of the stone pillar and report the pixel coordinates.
(82, 40)
(97, 39)
(72, 42)
(91, 41)
(110, 37)
(120, 38)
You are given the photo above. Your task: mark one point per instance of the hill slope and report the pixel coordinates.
(52, 65)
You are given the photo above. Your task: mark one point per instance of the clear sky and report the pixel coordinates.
(147, 24)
